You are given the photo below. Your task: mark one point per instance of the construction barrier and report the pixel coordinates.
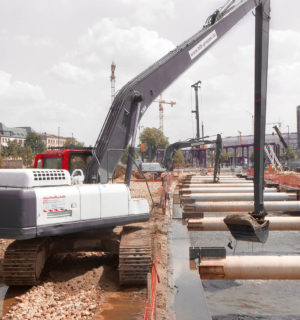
(151, 301)
(282, 178)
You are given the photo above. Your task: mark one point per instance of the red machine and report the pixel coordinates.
(61, 158)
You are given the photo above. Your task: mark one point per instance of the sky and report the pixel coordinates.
(55, 59)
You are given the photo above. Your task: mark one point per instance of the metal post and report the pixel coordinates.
(196, 86)
(131, 151)
(261, 72)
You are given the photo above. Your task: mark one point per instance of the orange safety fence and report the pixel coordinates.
(287, 179)
(150, 303)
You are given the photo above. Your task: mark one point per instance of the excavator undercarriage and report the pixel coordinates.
(24, 260)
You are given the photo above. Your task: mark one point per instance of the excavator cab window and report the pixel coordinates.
(79, 161)
(53, 163)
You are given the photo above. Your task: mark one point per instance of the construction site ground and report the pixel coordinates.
(85, 285)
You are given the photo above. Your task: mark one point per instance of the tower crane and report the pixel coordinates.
(161, 111)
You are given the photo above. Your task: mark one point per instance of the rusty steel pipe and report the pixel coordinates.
(268, 196)
(224, 190)
(241, 206)
(251, 268)
(221, 185)
(215, 183)
(217, 224)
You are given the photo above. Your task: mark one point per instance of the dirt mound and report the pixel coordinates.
(119, 172)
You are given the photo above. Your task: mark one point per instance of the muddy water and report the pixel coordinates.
(3, 290)
(252, 299)
(187, 299)
(123, 305)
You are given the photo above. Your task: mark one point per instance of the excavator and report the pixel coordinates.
(172, 148)
(51, 210)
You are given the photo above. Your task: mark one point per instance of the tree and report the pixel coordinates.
(35, 142)
(178, 157)
(124, 158)
(27, 156)
(13, 149)
(224, 156)
(74, 142)
(289, 153)
(154, 139)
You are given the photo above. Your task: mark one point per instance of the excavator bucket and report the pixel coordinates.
(245, 227)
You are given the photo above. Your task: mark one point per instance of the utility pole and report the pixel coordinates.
(202, 127)
(113, 81)
(196, 86)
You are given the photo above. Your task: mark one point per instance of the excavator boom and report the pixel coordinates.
(119, 125)
(136, 96)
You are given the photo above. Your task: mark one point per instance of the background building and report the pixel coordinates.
(10, 134)
(52, 140)
(20, 133)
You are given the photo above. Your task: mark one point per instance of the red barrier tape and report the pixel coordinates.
(150, 306)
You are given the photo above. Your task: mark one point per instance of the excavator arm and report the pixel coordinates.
(135, 97)
(280, 137)
(172, 148)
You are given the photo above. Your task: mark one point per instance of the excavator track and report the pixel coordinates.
(135, 256)
(24, 261)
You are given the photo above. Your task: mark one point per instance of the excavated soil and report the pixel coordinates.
(85, 285)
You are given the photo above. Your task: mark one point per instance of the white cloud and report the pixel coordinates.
(17, 92)
(68, 72)
(149, 12)
(33, 41)
(133, 49)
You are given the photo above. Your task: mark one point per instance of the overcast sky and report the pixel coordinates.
(55, 61)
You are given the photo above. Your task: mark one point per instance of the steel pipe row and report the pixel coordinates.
(224, 190)
(241, 206)
(217, 224)
(269, 196)
(251, 268)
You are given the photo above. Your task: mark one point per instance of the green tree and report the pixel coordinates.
(224, 156)
(124, 158)
(178, 157)
(289, 153)
(154, 139)
(35, 142)
(74, 142)
(13, 149)
(27, 156)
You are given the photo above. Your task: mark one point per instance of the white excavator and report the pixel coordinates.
(49, 211)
